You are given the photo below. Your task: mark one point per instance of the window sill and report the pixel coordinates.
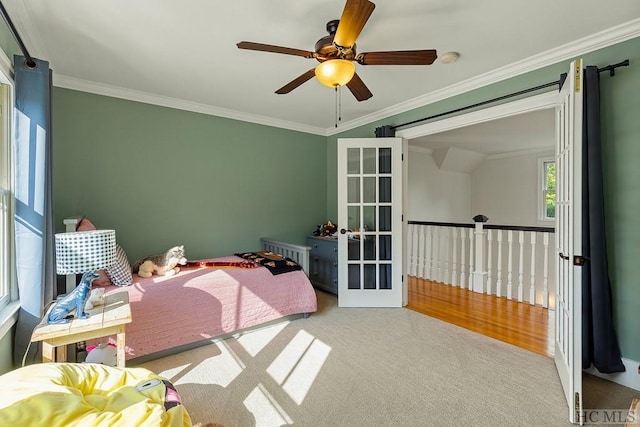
(8, 317)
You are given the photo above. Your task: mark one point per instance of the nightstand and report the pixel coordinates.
(323, 263)
(108, 319)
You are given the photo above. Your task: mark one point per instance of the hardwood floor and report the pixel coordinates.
(520, 324)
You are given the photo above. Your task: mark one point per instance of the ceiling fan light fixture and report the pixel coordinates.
(335, 72)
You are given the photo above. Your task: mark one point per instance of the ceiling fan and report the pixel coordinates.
(337, 52)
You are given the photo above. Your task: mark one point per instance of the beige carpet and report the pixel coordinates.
(372, 367)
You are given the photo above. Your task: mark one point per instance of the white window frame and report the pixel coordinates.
(8, 282)
(542, 180)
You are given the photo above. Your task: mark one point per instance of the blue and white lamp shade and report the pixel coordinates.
(82, 251)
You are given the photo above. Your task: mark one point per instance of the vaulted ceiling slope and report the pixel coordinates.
(183, 54)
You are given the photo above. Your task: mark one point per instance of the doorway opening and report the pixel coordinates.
(483, 163)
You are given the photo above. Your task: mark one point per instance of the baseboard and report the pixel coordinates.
(629, 378)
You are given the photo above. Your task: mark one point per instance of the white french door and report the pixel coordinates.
(370, 222)
(568, 335)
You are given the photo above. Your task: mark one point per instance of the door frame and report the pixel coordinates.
(547, 100)
(526, 105)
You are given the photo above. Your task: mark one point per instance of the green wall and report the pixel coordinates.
(6, 353)
(162, 177)
(620, 114)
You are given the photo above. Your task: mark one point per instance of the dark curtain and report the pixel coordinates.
(599, 343)
(34, 210)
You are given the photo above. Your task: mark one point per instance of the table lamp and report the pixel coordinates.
(81, 252)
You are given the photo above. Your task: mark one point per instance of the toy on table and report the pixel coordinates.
(96, 297)
(74, 300)
(327, 229)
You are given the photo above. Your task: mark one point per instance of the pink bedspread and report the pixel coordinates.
(202, 303)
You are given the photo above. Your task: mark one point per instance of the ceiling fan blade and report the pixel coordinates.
(355, 15)
(296, 82)
(398, 57)
(275, 49)
(359, 89)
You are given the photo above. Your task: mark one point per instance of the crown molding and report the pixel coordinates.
(609, 37)
(520, 106)
(147, 98)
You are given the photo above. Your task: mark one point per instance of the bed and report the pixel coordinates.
(199, 304)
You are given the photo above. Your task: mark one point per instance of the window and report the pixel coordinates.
(7, 271)
(547, 195)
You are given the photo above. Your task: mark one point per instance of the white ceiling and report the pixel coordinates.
(183, 54)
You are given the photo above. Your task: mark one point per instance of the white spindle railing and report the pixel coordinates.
(459, 255)
(471, 258)
(463, 235)
(510, 265)
(489, 263)
(499, 267)
(454, 256)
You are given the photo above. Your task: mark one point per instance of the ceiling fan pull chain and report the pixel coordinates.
(336, 102)
(338, 92)
(339, 103)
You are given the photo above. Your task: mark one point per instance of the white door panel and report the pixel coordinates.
(370, 223)
(568, 334)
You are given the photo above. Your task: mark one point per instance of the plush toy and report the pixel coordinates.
(96, 297)
(165, 264)
(103, 353)
(329, 229)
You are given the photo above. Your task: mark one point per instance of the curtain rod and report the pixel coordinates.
(30, 62)
(610, 68)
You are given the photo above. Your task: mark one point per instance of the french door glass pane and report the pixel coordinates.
(370, 248)
(369, 218)
(385, 189)
(385, 160)
(353, 160)
(369, 189)
(369, 160)
(385, 248)
(354, 217)
(353, 189)
(370, 276)
(354, 250)
(354, 276)
(385, 218)
(385, 276)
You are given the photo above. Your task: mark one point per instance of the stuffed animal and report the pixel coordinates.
(329, 229)
(103, 353)
(165, 264)
(74, 300)
(96, 297)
